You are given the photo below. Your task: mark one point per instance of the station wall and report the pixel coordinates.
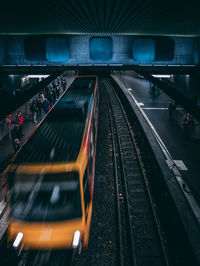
(85, 49)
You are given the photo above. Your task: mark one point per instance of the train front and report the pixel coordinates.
(46, 211)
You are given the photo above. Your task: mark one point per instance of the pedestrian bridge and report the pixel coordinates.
(98, 50)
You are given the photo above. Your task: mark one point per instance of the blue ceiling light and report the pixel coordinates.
(57, 49)
(1, 51)
(143, 50)
(196, 57)
(101, 48)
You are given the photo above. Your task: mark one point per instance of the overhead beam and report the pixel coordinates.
(148, 69)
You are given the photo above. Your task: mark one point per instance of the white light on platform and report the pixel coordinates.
(37, 76)
(161, 76)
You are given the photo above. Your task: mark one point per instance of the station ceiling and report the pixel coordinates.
(129, 17)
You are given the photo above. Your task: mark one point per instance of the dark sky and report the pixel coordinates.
(101, 16)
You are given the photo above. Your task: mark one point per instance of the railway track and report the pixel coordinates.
(140, 238)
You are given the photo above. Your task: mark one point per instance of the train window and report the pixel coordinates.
(45, 197)
(86, 189)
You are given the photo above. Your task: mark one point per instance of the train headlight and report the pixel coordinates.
(18, 240)
(76, 239)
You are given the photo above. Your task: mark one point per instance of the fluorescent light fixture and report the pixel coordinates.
(23, 65)
(39, 65)
(100, 64)
(18, 240)
(85, 65)
(37, 76)
(159, 65)
(76, 239)
(115, 64)
(188, 65)
(145, 65)
(161, 76)
(8, 65)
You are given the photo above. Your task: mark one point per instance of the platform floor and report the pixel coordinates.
(6, 144)
(185, 151)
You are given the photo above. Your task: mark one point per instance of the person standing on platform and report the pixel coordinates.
(20, 122)
(42, 97)
(57, 91)
(46, 106)
(51, 98)
(171, 109)
(39, 107)
(16, 138)
(63, 84)
(187, 124)
(34, 111)
(153, 90)
(54, 95)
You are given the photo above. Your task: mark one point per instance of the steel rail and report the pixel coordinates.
(136, 166)
(117, 181)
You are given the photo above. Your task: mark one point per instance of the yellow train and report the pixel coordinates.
(51, 177)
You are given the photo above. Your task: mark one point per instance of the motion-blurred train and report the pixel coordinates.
(51, 177)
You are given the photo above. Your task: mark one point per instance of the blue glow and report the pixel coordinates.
(196, 57)
(1, 51)
(57, 49)
(143, 50)
(101, 48)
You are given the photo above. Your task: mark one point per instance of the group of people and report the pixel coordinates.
(47, 98)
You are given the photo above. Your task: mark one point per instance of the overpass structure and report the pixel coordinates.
(99, 50)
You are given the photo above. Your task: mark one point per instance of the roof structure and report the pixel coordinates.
(132, 17)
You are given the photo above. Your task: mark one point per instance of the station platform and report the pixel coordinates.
(185, 151)
(6, 144)
(7, 151)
